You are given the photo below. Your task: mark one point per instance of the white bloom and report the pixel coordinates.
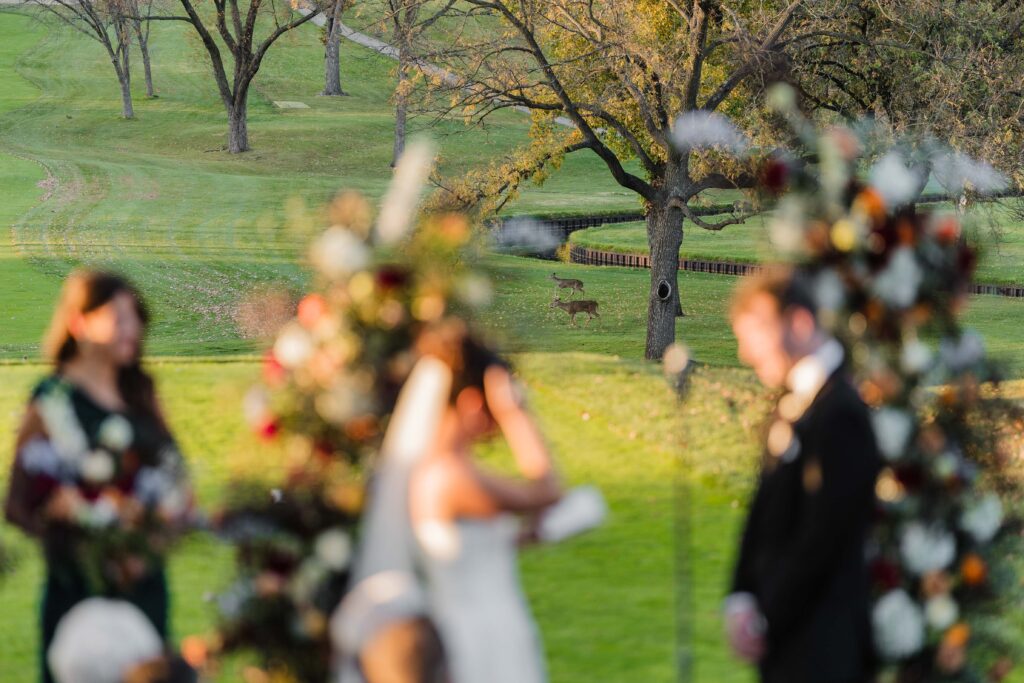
(941, 612)
(475, 291)
(898, 625)
(893, 180)
(956, 171)
(926, 549)
(781, 97)
(97, 467)
(786, 230)
(116, 433)
(702, 129)
(946, 464)
(962, 353)
(339, 252)
(334, 549)
(982, 520)
(829, 292)
(915, 357)
(62, 426)
(293, 346)
(398, 210)
(893, 429)
(99, 514)
(306, 580)
(523, 233)
(256, 406)
(898, 283)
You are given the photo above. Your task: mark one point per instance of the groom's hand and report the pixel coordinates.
(745, 627)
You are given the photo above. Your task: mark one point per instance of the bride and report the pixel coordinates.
(441, 533)
(465, 525)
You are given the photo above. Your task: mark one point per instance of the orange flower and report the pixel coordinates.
(194, 651)
(973, 570)
(947, 231)
(311, 309)
(957, 635)
(871, 203)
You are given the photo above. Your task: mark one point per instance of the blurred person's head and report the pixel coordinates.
(775, 323)
(99, 315)
(102, 317)
(469, 359)
(102, 641)
(407, 651)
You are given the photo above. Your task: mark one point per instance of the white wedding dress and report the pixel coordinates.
(475, 599)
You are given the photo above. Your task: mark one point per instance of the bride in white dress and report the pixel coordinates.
(467, 526)
(441, 534)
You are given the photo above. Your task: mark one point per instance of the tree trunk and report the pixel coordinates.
(144, 49)
(401, 106)
(238, 125)
(664, 235)
(124, 77)
(332, 55)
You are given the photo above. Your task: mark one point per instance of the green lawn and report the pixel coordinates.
(997, 230)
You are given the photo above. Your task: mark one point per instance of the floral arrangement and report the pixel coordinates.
(891, 282)
(329, 385)
(124, 511)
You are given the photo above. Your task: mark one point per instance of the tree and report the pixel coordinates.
(332, 47)
(106, 22)
(408, 22)
(637, 77)
(140, 21)
(235, 24)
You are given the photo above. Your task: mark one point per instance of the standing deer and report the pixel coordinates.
(565, 283)
(574, 307)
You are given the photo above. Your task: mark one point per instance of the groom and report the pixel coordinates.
(799, 603)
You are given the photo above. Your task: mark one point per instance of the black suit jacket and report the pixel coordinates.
(803, 549)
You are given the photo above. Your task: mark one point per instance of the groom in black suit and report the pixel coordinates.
(799, 607)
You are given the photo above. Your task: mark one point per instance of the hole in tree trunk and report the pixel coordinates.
(664, 290)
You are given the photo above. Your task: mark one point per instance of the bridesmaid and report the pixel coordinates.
(93, 430)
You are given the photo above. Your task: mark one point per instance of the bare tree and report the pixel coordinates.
(107, 22)
(140, 21)
(408, 22)
(332, 47)
(234, 26)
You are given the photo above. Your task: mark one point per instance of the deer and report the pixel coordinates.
(574, 307)
(565, 283)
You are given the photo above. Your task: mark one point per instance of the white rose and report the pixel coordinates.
(829, 291)
(898, 625)
(941, 612)
(983, 520)
(896, 183)
(926, 549)
(893, 428)
(100, 514)
(962, 353)
(334, 549)
(339, 252)
(116, 433)
(915, 357)
(293, 347)
(898, 282)
(786, 231)
(255, 406)
(97, 467)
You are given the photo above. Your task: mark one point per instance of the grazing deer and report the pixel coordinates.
(574, 307)
(565, 283)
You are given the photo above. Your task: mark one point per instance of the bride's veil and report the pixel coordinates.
(384, 584)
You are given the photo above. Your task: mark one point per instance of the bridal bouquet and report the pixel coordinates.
(124, 506)
(329, 386)
(891, 282)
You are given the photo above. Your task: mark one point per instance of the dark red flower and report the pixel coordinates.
(910, 476)
(775, 176)
(269, 429)
(885, 573)
(391, 277)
